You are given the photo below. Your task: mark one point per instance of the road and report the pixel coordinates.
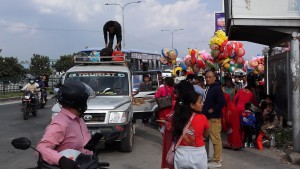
(145, 155)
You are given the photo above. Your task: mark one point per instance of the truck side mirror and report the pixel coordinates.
(135, 91)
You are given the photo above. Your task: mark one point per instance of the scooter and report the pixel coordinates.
(84, 161)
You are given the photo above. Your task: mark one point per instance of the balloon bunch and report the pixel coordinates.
(228, 54)
(168, 56)
(258, 64)
(197, 60)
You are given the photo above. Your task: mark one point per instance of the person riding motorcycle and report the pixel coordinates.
(33, 87)
(67, 129)
(43, 89)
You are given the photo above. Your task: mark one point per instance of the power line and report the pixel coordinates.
(48, 29)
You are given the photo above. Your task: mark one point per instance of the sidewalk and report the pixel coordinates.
(252, 158)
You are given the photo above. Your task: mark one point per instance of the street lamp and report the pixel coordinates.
(172, 33)
(196, 43)
(123, 7)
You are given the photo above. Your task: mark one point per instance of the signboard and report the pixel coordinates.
(266, 9)
(219, 21)
(145, 56)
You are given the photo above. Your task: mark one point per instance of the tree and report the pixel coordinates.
(64, 63)
(10, 67)
(40, 65)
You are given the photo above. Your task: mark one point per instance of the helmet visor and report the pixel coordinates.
(89, 91)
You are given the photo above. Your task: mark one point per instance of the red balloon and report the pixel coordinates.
(193, 57)
(201, 64)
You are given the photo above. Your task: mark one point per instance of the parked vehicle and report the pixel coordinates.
(85, 161)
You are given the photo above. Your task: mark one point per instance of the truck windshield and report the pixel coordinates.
(103, 83)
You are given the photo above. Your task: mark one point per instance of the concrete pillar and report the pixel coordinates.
(295, 82)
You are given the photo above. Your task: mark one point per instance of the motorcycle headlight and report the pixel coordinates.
(117, 117)
(27, 97)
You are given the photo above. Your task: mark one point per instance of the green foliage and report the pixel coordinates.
(10, 67)
(64, 63)
(40, 65)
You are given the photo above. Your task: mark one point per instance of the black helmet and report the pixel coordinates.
(73, 94)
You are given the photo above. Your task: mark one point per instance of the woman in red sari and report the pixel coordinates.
(166, 89)
(242, 97)
(230, 119)
(165, 117)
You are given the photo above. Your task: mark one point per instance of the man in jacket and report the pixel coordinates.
(113, 28)
(213, 103)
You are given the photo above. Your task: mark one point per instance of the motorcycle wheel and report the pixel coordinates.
(26, 112)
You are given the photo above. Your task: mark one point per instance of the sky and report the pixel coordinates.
(60, 27)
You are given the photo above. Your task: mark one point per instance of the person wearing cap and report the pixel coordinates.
(67, 129)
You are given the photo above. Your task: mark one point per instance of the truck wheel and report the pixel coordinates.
(127, 142)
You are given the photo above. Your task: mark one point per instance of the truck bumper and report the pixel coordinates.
(112, 132)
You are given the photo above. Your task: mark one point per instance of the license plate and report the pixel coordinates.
(94, 131)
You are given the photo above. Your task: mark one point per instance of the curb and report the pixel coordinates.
(10, 99)
(295, 158)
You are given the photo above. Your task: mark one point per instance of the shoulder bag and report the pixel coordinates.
(165, 101)
(171, 152)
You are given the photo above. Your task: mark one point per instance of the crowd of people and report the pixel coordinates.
(204, 107)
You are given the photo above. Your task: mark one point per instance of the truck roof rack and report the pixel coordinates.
(100, 59)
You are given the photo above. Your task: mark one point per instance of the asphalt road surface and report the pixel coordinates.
(146, 153)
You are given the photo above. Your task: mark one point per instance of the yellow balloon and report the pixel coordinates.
(226, 65)
(221, 34)
(175, 70)
(212, 40)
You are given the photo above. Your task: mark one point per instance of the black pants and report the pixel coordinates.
(248, 132)
(111, 41)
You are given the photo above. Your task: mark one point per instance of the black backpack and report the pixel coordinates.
(106, 52)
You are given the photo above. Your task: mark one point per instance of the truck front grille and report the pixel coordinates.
(94, 117)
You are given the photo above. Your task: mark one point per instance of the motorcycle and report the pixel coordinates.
(84, 161)
(29, 104)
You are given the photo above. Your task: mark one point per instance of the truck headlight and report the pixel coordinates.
(117, 117)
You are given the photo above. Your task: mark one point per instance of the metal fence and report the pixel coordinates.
(12, 85)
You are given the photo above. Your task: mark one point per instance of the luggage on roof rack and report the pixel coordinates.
(99, 59)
